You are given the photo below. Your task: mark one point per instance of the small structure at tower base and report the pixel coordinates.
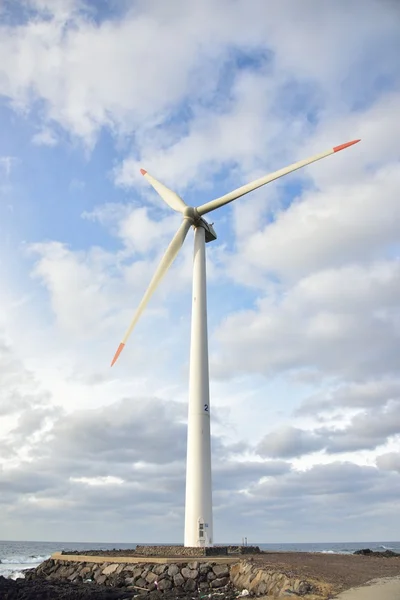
(194, 551)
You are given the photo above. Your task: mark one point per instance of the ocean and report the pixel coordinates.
(15, 557)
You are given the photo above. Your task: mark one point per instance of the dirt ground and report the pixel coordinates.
(343, 571)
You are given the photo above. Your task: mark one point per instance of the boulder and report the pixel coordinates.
(137, 572)
(189, 573)
(220, 582)
(121, 567)
(173, 570)
(96, 573)
(221, 570)
(204, 585)
(178, 580)
(369, 552)
(151, 577)
(190, 585)
(205, 567)
(110, 569)
(159, 569)
(262, 588)
(164, 584)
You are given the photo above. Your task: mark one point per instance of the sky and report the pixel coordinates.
(303, 280)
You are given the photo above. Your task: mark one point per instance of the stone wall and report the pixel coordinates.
(170, 551)
(184, 551)
(267, 582)
(187, 577)
(244, 550)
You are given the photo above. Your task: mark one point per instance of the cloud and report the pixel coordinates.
(134, 450)
(289, 442)
(237, 475)
(26, 408)
(20, 392)
(6, 164)
(366, 430)
(140, 231)
(45, 137)
(324, 230)
(73, 51)
(369, 394)
(341, 322)
(132, 430)
(306, 504)
(75, 282)
(389, 461)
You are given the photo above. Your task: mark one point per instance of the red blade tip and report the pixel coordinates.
(346, 145)
(143, 172)
(118, 352)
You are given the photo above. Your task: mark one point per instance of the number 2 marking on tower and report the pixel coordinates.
(206, 408)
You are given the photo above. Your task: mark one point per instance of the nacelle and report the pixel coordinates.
(209, 229)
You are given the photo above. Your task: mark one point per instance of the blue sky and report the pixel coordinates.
(303, 281)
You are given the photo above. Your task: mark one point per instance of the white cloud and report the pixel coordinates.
(45, 137)
(364, 394)
(75, 285)
(342, 322)
(6, 164)
(64, 66)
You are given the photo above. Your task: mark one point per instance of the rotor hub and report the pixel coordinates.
(191, 214)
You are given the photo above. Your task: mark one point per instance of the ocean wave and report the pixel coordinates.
(23, 560)
(386, 547)
(10, 574)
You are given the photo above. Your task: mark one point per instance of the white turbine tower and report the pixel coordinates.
(198, 508)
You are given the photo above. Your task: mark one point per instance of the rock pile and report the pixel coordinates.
(369, 552)
(40, 589)
(261, 582)
(189, 577)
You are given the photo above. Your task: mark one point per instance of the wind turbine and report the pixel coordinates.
(198, 506)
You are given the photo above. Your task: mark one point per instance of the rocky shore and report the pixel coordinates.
(136, 577)
(126, 578)
(41, 589)
(309, 576)
(379, 554)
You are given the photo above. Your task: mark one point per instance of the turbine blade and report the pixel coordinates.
(166, 261)
(170, 197)
(249, 187)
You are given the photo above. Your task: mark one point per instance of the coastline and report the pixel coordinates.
(312, 575)
(316, 576)
(378, 589)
